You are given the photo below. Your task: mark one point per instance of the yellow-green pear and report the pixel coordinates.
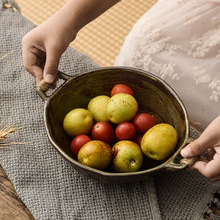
(159, 141)
(96, 154)
(121, 107)
(126, 156)
(78, 121)
(97, 106)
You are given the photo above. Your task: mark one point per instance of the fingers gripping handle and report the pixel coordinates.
(43, 86)
(184, 162)
(189, 161)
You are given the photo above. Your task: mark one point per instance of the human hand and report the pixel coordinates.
(209, 140)
(43, 47)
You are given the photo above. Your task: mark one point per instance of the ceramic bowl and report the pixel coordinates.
(153, 95)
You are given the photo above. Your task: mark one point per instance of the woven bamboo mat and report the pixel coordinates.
(102, 38)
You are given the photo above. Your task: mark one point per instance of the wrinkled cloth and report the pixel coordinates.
(47, 184)
(179, 41)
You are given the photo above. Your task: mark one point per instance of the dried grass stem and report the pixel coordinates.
(6, 130)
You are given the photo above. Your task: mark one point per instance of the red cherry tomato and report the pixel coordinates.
(78, 142)
(125, 131)
(103, 131)
(143, 122)
(121, 88)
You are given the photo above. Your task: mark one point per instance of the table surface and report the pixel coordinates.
(12, 207)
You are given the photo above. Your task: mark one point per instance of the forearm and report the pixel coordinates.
(75, 14)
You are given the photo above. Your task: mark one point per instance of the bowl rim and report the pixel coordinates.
(75, 163)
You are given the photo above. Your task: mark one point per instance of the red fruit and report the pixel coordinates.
(143, 122)
(78, 142)
(103, 131)
(125, 131)
(137, 138)
(121, 88)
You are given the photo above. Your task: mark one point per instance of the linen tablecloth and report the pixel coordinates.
(47, 184)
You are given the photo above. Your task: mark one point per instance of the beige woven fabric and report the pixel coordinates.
(102, 38)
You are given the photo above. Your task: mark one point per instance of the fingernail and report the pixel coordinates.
(185, 152)
(49, 78)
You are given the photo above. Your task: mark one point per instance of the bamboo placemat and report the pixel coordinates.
(100, 39)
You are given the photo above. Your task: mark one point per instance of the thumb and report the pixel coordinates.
(192, 149)
(51, 66)
(209, 138)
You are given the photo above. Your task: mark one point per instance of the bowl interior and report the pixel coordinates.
(152, 94)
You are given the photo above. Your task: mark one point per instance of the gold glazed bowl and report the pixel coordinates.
(153, 95)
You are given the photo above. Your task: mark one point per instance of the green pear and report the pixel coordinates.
(96, 154)
(97, 106)
(127, 156)
(121, 107)
(78, 121)
(159, 141)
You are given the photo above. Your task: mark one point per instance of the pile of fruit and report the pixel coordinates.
(112, 132)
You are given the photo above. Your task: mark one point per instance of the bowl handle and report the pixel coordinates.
(43, 86)
(184, 163)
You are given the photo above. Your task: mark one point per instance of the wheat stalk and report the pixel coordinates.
(6, 130)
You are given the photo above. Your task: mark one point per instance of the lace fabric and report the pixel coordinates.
(179, 41)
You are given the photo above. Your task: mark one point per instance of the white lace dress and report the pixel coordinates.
(179, 41)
